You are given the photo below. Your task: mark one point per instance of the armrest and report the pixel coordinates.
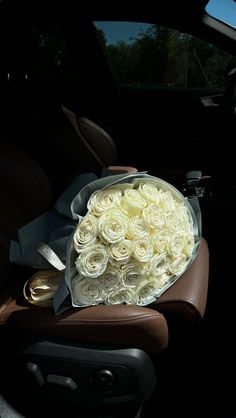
(119, 169)
(124, 325)
(187, 298)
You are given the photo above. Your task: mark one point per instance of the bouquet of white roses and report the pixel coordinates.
(137, 237)
(122, 238)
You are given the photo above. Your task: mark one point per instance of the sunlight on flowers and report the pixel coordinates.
(133, 242)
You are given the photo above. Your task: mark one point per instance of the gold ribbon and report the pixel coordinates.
(41, 287)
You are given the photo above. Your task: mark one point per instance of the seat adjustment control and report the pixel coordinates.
(104, 380)
(35, 370)
(62, 381)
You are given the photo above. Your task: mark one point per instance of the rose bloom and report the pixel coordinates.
(121, 295)
(145, 292)
(155, 216)
(132, 202)
(138, 228)
(149, 192)
(122, 251)
(104, 200)
(143, 249)
(132, 274)
(86, 232)
(177, 264)
(167, 201)
(112, 226)
(159, 264)
(92, 262)
(159, 240)
(87, 291)
(111, 278)
(175, 245)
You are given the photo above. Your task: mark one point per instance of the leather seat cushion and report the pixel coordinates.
(144, 327)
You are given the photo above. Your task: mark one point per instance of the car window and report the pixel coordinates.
(157, 55)
(223, 10)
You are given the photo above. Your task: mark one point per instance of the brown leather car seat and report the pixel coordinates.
(97, 142)
(99, 148)
(25, 194)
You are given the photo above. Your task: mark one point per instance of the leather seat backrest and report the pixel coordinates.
(96, 140)
(61, 143)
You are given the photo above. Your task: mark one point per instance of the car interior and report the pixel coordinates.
(71, 104)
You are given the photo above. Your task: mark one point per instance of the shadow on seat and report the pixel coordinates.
(96, 358)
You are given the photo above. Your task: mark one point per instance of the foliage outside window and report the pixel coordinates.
(165, 57)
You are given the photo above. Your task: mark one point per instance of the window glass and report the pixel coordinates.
(156, 55)
(224, 10)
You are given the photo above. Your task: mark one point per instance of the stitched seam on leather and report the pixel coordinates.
(109, 322)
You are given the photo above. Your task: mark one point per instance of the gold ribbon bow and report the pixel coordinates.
(41, 287)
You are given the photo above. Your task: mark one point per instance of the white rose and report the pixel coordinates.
(143, 249)
(175, 245)
(149, 192)
(173, 224)
(112, 226)
(111, 278)
(138, 227)
(132, 274)
(159, 240)
(162, 280)
(87, 291)
(178, 264)
(158, 265)
(183, 221)
(121, 251)
(132, 202)
(167, 201)
(182, 212)
(104, 200)
(92, 262)
(145, 292)
(155, 216)
(86, 233)
(121, 295)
